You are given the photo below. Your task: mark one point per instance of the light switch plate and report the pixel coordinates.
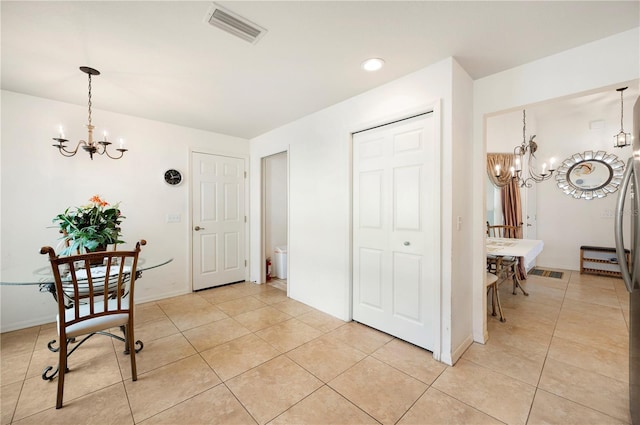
(174, 218)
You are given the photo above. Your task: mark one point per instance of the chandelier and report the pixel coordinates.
(621, 139)
(527, 151)
(91, 146)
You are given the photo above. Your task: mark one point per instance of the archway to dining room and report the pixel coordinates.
(564, 127)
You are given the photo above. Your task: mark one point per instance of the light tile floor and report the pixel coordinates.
(246, 354)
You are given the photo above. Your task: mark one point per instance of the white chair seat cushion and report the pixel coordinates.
(97, 275)
(97, 323)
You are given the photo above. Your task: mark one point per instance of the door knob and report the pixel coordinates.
(406, 243)
(198, 228)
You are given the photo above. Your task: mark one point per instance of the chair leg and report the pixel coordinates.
(493, 299)
(62, 369)
(132, 350)
(516, 281)
(496, 297)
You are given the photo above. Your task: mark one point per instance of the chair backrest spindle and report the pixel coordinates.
(504, 231)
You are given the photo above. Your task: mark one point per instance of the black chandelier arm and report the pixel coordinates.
(122, 151)
(63, 149)
(91, 149)
(104, 151)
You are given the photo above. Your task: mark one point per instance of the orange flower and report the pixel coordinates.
(96, 200)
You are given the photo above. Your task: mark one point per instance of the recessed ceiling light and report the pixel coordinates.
(372, 64)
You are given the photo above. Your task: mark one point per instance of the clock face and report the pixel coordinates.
(173, 177)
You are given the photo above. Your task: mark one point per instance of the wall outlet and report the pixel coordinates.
(607, 213)
(174, 218)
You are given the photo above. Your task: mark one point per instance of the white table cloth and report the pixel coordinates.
(528, 248)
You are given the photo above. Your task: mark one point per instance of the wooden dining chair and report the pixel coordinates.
(505, 267)
(491, 283)
(503, 231)
(101, 299)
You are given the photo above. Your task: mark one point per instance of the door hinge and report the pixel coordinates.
(245, 263)
(245, 174)
(245, 218)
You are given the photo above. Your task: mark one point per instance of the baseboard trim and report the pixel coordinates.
(459, 351)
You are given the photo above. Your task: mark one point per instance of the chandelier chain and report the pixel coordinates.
(621, 110)
(524, 126)
(89, 99)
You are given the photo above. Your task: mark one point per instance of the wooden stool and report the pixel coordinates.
(491, 283)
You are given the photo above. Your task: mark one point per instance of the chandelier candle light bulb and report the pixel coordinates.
(497, 170)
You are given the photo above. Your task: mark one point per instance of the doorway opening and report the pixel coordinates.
(276, 219)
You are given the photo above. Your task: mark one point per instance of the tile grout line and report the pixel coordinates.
(544, 362)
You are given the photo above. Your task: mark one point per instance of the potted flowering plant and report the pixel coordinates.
(90, 227)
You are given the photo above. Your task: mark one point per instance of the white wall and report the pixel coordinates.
(593, 66)
(320, 190)
(460, 217)
(275, 207)
(37, 183)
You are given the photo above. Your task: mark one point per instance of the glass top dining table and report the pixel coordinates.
(44, 276)
(511, 247)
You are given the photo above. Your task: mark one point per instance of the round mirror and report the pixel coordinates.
(589, 176)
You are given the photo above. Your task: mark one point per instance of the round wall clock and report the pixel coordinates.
(173, 177)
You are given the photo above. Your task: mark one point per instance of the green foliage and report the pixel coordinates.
(90, 226)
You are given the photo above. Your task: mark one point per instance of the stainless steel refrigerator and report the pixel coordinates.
(630, 193)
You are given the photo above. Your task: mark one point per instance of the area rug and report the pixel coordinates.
(546, 273)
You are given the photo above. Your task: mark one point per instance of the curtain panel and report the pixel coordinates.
(512, 211)
(505, 161)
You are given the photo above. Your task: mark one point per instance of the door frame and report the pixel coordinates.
(218, 152)
(263, 224)
(434, 108)
(258, 220)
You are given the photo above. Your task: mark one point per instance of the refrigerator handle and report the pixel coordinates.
(622, 258)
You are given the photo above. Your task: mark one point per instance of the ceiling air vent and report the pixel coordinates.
(234, 24)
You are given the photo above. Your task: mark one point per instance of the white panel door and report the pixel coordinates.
(395, 224)
(218, 220)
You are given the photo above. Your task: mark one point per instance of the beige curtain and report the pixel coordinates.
(512, 211)
(505, 161)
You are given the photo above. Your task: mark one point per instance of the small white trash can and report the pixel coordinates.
(281, 262)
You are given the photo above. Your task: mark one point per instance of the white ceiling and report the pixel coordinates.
(159, 60)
